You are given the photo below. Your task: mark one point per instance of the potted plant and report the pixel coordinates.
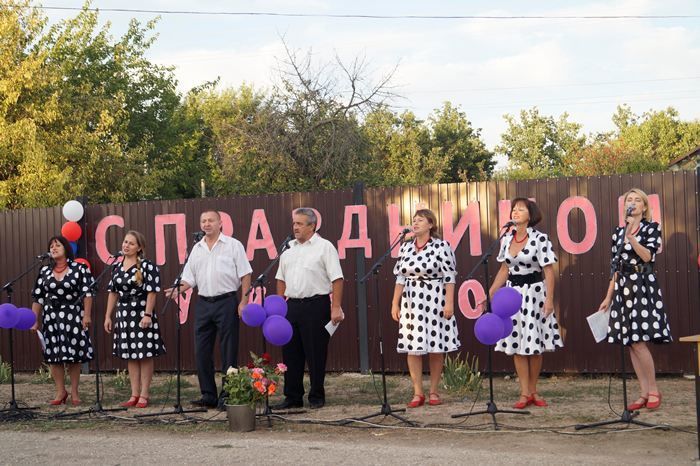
(248, 385)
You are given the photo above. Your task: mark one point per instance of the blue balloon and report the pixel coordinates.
(74, 246)
(8, 315)
(277, 330)
(26, 320)
(488, 329)
(275, 305)
(506, 301)
(253, 315)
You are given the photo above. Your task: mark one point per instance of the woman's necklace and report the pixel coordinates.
(60, 268)
(420, 248)
(515, 237)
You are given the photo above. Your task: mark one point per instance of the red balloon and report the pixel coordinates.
(71, 231)
(82, 260)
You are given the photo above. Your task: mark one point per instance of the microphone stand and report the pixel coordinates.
(260, 283)
(177, 408)
(491, 407)
(386, 409)
(627, 416)
(15, 412)
(97, 407)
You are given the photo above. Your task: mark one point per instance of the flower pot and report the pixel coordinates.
(241, 418)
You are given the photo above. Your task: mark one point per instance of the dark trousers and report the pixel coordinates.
(221, 316)
(309, 344)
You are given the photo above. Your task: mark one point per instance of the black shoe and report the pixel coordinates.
(317, 404)
(286, 404)
(203, 403)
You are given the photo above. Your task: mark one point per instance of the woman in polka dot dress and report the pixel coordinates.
(637, 312)
(527, 261)
(423, 304)
(133, 289)
(64, 323)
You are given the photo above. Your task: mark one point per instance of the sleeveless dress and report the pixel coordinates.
(423, 328)
(62, 320)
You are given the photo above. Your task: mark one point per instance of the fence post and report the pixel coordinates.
(358, 197)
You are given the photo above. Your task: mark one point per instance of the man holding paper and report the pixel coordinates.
(308, 272)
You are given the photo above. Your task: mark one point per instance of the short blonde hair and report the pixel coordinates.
(645, 199)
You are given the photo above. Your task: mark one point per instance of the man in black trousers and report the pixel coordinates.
(218, 267)
(308, 272)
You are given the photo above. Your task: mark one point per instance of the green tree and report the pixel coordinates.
(536, 146)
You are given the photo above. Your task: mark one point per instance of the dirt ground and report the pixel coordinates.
(546, 436)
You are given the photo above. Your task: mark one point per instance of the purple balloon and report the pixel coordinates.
(507, 327)
(27, 318)
(275, 305)
(277, 330)
(253, 315)
(488, 329)
(8, 315)
(506, 301)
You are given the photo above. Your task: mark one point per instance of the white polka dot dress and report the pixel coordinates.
(62, 321)
(423, 328)
(637, 311)
(130, 340)
(533, 333)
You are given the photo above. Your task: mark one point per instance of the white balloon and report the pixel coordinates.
(73, 211)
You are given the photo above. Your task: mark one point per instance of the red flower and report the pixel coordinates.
(266, 358)
(250, 365)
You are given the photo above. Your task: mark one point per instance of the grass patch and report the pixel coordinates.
(5, 372)
(461, 376)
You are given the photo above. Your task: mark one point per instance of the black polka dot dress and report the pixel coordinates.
(637, 310)
(533, 333)
(423, 328)
(62, 321)
(130, 340)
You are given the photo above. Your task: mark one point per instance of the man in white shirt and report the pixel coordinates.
(308, 272)
(217, 267)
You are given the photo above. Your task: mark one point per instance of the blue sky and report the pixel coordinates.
(488, 67)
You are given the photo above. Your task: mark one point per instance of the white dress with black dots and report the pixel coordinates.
(130, 340)
(62, 321)
(637, 309)
(532, 332)
(423, 328)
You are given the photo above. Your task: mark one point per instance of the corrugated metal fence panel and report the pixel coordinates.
(579, 289)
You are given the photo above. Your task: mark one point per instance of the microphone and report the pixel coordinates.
(197, 236)
(117, 254)
(285, 243)
(508, 224)
(41, 257)
(629, 210)
(405, 231)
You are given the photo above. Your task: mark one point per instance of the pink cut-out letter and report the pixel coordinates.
(226, 224)
(589, 216)
(362, 241)
(101, 235)
(180, 236)
(259, 222)
(470, 219)
(465, 306)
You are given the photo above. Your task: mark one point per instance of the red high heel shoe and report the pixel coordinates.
(59, 401)
(418, 400)
(638, 404)
(142, 404)
(654, 404)
(75, 401)
(131, 403)
(434, 400)
(522, 404)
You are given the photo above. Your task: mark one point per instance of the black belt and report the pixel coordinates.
(425, 279)
(213, 299)
(627, 269)
(130, 298)
(306, 300)
(529, 279)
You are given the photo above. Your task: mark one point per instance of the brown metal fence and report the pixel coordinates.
(579, 288)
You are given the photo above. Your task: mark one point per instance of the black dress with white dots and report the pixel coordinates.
(130, 340)
(637, 310)
(533, 333)
(423, 328)
(62, 320)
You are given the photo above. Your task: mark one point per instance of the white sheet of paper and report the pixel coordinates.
(331, 327)
(42, 342)
(598, 322)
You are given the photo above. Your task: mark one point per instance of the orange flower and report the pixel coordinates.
(259, 387)
(256, 375)
(271, 389)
